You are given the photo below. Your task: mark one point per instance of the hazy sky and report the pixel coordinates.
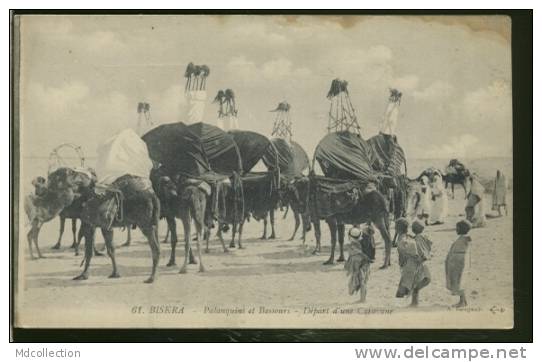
(82, 76)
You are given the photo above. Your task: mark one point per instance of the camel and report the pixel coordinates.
(188, 200)
(368, 206)
(456, 174)
(253, 195)
(73, 212)
(457, 179)
(129, 200)
(50, 198)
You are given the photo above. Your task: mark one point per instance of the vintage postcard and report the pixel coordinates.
(263, 171)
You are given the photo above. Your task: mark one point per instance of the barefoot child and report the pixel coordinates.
(455, 262)
(413, 252)
(358, 264)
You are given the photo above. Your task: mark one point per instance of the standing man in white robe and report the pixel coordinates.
(424, 206)
(499, 193)
(439, 197)
(475, 209)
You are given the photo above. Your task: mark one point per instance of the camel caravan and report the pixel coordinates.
(204, 175)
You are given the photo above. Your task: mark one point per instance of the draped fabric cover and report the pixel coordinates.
(194, 150)
(292, 159)
(390, 156)
(252, 147)
(345, 155)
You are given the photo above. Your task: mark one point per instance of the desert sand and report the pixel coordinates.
(270, 283)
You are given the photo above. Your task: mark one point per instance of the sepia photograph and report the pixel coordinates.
(263, 171)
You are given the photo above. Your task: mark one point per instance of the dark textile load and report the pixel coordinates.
(455, 167)
(219, 147)
(106, 207)
(292, 159)
(344, 155)
(390, 156)
(258, 196)
(331, 196)
(260, 193)
(252, 147)
(197, 150)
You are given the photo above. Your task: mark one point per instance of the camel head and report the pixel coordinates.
(40, 185)
(295, 192)
(167, 187)
(62, 178)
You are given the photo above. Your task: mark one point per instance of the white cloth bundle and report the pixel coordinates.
(124, 153)
(196, 106)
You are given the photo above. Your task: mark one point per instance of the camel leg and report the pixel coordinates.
(108, 239)
(74, 232)
(272, 221)
(306, 224)
(80, 235)
(36, 234)
(340, 234)
(382, 226)
(199, 232)
(167, 236)
(233, 232)
(62, 223)
(332, 223)
(464, 189)
(297, 221)
(172, 230)
(317, 236)
(128, 241)
(453, 193)
(219, 234)
(264, 235)
(150, 233)
(88, 232)
(240, 236)
(30, 238)
(186, 225)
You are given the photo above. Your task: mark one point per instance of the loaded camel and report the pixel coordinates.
(365, 206)
(456, 174)
(62, 187)
(188, 200)
(127, 201)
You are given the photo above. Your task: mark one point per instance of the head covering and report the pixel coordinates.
(401, 225)
(417, 227)
(354, 234)
(463, 227)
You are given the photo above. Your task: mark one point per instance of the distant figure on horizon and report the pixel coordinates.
(499, 193)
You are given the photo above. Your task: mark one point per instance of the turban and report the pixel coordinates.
(354, 234)
(417, 227)
(401, 225)
(463, 227)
